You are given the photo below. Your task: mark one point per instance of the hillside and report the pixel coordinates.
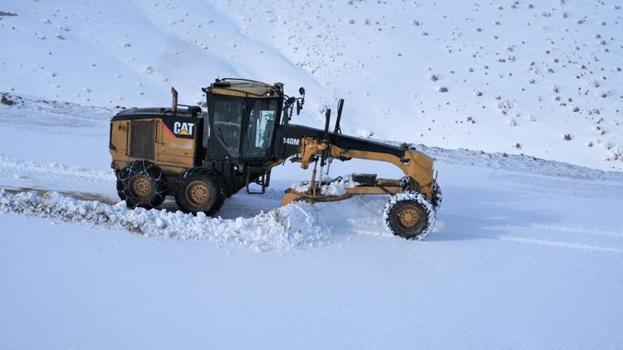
(541, 78)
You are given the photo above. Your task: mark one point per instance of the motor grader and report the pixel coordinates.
(202, 157)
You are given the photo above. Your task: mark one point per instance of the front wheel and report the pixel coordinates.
(409, 215)
(437, 196)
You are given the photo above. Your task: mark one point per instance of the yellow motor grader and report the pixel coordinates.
(202, 157)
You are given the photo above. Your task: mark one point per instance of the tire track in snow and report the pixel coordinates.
(579, 230)
(71, 194)
(560, 244)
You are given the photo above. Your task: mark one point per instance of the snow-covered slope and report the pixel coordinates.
(541, 78)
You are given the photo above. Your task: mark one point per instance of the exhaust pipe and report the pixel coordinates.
(174, 100)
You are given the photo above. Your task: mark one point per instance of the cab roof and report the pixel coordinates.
(245, 88)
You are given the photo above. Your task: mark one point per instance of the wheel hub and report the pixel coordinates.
(409, 216)
(141, 186)
(198, 193)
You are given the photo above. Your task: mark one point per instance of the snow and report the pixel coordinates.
(281, 229)
(520, 104)
(332, 187)
(509, 267)
(498, 77)
(526, 253)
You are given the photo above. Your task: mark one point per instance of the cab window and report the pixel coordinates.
(227, 123)
(260, 127)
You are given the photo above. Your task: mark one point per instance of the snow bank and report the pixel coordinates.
(26, 168)
(281, 229)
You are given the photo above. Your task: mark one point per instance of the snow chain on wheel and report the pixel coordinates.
(437, 196)
(141, 184)
(409, 215)
(120, 187)
(200, 190)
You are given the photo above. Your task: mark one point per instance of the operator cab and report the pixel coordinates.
(242, 118)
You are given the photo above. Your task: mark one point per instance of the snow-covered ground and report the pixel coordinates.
(511, 267)
(527, 252)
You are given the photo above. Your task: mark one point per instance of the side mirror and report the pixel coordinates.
(302, 91)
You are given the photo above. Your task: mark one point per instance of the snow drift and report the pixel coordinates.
(280, 229)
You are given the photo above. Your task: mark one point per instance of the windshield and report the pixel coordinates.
(260, 128)
(245, 126)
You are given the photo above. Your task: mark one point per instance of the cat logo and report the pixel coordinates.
(183, 128)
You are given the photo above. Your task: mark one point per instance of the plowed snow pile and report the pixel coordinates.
(335, 187)
(279, 229)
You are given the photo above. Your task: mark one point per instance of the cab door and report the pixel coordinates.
(260, 120)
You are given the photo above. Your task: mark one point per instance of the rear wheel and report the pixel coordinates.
(409, 215)
(200, 190)
(141, 184)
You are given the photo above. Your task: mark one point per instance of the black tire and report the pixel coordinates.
(141, 184)
(437, 196)
(200, 190)
(409, 215)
